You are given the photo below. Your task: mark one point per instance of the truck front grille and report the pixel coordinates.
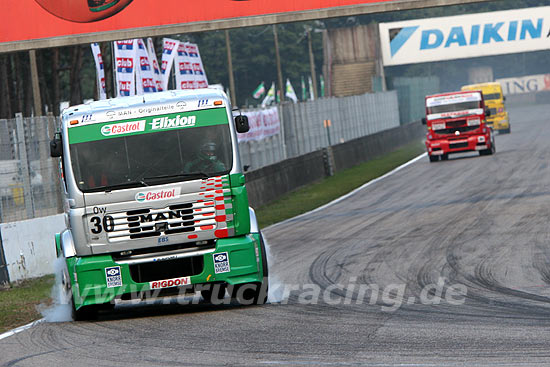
(197, 216)
(160, 270)
(461, 129)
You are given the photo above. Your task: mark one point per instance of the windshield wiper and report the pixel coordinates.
(177, 175)
(125, 185)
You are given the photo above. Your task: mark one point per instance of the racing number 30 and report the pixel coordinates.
(108, 224)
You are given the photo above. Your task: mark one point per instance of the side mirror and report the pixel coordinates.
(56, 146)
(487, 112)
(241, 123)
(424, 122)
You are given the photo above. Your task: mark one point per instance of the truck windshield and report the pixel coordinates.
(454, 107)
(152, 158)
(491, 96)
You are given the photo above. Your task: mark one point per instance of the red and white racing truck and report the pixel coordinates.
(456, 123)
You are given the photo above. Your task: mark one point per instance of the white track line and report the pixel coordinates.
(20, 329)
(371, 182)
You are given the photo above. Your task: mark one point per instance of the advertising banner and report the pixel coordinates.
(25, 19)
(263, 124)
(525, 84)
(154, 63)
(100, 71)
(465, 36)
(189, 69)
(145, 80)
(125, 61)
(169, 50)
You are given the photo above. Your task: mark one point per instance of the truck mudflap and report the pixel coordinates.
(464, 144)
(101, 279)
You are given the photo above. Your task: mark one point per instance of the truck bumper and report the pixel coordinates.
(458, 144)
(100, 279)
(499, 122)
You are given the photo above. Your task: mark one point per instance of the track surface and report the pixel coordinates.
(478, 223)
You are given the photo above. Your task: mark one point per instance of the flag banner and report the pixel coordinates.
(304, 90)
(154, 63)
(145, 80)
(169, 49)
(125, 61)
(189, 70)
(311, 96)
(259, 91)
(198, 68)
(322, 82)
(290, 93)
(100, 71)
(263, 124)
(270, 96)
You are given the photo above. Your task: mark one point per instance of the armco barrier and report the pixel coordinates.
(269, 183)
(356, 151)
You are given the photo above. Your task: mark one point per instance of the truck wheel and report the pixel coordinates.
(445, 157)
(214, 294)
(434, 158)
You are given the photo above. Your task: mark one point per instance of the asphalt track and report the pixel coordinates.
(475, 228)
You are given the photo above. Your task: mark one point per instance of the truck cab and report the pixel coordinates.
(456, 123)
(156, 201)
(494, 101)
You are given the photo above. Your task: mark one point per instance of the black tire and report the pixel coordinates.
(434, 158)
(214, 293)
(445, 157)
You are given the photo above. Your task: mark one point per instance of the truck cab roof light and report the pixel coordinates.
(218, 103)
(73, 122)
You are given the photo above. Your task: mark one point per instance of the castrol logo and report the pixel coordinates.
(155, 195)
(123, 128)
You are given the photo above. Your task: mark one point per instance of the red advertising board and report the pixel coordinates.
(25, 20)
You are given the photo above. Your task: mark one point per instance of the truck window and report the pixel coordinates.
(462, 106)
(130, 159)
(491, 96)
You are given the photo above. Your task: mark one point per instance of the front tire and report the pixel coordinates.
(434, 158)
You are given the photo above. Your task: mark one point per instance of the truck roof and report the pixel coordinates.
(149, 99)
(452, 93)
(481, 85)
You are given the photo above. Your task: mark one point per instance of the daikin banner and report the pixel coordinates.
(465, 36)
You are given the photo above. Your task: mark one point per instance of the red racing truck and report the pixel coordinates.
(456, 123)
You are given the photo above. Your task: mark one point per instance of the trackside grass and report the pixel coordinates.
(18, 304)
(314, 195)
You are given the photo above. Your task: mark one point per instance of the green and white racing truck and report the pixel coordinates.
(156, 202)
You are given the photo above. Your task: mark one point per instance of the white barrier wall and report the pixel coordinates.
(29, 246)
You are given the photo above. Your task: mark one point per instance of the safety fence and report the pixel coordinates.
(29, 181)
(310, 126)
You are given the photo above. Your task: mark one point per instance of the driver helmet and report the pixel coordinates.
(208, 151)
